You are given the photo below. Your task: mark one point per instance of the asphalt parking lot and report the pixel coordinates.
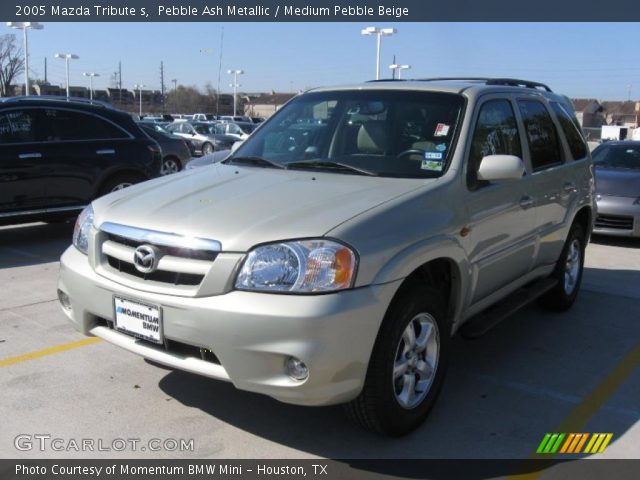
(535, 373)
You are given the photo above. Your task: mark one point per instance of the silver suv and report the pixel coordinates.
(331, 258)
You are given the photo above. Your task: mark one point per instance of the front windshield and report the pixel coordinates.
(618, 156)
(389, 133)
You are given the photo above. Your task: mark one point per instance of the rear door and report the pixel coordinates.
(500, 239)
(554, 179)
(22, 178)
(80, 147)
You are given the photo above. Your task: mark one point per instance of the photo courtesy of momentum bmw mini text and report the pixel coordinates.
(357, 240)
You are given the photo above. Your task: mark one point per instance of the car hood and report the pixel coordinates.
(244, 206)
(618, 182)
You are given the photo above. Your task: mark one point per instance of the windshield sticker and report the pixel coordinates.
(442, 130)
(441, 147)
(433, 155)
(433, 165)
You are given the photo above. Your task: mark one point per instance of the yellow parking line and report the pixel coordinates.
(581, 414)
(48, 351)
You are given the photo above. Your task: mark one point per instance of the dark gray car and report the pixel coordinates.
(618, 188)
(176, 152)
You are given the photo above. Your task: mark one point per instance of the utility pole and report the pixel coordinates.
(45, 70)
(219, 72)
(120, 81)
(162, 83)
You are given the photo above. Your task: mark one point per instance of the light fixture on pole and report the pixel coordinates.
(66, 57)
(379, 33)
(398, 68)
(24, 26)
(139, 87)
(235, 86)
(91, 75)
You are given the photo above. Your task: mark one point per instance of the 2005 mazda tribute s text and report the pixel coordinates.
(332, 256)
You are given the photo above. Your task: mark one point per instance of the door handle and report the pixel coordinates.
(106, 151)
(24, 156)
(526, 202)
(569, 187)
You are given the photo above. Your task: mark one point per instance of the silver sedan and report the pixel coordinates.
(618, 188)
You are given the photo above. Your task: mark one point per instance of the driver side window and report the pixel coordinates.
(496, 133)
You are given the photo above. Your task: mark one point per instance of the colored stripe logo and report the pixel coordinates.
(553, 443)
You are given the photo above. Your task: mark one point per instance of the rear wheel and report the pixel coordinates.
(207, 148)
(119, 183)
(170, 165)
(407, 365)
(568, 272)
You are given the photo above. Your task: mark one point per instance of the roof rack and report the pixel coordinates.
(24, 98)
(388, 80)
(512, 82)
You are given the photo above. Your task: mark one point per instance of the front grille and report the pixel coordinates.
(176, 278)
(174, 251)
(179, 261)
(617, 222)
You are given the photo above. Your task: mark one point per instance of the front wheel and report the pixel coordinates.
(407, 365)
(568, 272)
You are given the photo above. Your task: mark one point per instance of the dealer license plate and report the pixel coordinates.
(138, 319)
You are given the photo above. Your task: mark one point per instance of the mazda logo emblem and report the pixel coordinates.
(145, 258)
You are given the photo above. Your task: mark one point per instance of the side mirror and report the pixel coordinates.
(235, 146)
(500, 167)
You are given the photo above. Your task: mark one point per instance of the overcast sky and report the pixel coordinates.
(577, 59)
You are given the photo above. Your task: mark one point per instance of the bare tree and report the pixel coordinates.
(11, 63)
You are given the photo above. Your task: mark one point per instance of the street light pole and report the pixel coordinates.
(24, 26)
(398, 68)
(66, 57)
(235, 86)
(91, 75)
(139, 87)
(379, 33)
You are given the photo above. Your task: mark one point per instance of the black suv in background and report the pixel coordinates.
(56, 155)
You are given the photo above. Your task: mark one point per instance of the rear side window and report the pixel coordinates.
(17, 126)
(496, 133)
(66, 125)
(541, 134)
(571, 132)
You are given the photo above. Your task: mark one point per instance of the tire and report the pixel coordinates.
(207, 148)
(170, 165)
(385, 404)
(119, 182)
(568, 273)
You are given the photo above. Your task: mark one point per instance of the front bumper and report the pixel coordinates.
(251, 334)
(617, 216)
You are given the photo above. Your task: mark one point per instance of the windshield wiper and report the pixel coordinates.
(330, 165)
(254, 160)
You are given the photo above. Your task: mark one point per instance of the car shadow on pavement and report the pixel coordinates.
(33, 243)
(503, 392)
(616, 241)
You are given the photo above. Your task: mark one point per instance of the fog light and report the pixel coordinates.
(297, 369)
(65, 301)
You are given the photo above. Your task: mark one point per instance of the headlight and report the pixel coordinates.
(304, 266)
(81, 230)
